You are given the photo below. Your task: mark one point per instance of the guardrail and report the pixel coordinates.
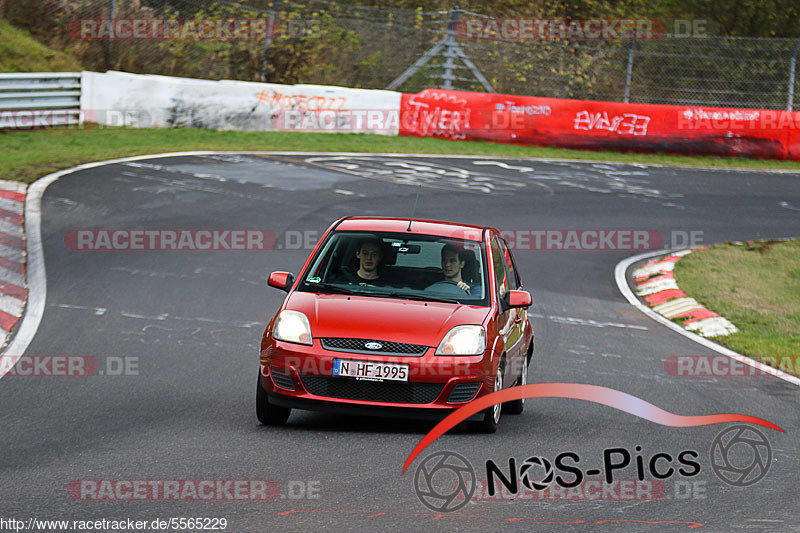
(40, 99)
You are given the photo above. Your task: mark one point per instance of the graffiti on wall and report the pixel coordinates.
(625, 124)
(447, 116)
(301, 102)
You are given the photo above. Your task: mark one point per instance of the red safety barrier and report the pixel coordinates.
(592, 125)
(792, 124)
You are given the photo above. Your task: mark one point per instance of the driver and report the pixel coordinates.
(370, 255)
(453, 261)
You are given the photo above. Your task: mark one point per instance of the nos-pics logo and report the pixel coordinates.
(445, 481)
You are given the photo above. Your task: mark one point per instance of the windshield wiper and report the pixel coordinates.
(423, 298)
(331, 287)
(341, 290)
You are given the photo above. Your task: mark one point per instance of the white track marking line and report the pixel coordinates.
(504, 165)
(99, 311)
(585, 322)
(622, 285)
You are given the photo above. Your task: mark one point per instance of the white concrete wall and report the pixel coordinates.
(147, 101)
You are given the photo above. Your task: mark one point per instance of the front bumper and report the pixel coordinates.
(364, 410)
(301, 376)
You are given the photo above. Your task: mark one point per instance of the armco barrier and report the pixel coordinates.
(595, 125)
(39, 99)
(122, 99)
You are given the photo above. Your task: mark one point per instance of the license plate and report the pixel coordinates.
(371, 370)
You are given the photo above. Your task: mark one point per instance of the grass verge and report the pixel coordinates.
(755, 285)
(19, 52)
(28, 155)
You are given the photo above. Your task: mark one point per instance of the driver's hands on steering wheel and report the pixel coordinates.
(463, 286)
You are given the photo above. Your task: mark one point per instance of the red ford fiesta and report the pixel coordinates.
(393, 317)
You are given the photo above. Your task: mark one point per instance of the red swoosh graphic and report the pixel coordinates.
(579, 391)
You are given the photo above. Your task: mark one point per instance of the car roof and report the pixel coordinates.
(438, 228)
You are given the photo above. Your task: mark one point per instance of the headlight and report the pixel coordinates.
(463, 340)
(292, 326)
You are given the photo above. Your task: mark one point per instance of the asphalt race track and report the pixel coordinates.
(192, 321)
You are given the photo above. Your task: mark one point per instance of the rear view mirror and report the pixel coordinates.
(407, 248)
(281, 280)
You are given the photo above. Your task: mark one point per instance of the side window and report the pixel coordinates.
(498, 263)
(511, 272)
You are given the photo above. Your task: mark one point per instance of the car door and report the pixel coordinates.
(509, 321)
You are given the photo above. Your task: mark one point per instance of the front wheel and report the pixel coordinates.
(491, 417)
(515, 407)
(269, 414)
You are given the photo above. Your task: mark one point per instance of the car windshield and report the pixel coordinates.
(391, 265)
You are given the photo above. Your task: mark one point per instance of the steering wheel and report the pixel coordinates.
(448, 287)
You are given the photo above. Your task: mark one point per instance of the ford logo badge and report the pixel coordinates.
(373, 345)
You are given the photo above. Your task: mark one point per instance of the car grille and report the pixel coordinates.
(463, 392)
(373, 391)
(358, 346)
(281, 378)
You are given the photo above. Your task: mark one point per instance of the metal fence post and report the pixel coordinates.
(449, 48)
(112, 13)
(792, 67)
(268, 42)
(629, 72)
(449, 51)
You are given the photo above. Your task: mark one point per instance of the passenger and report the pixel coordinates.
(453, 261)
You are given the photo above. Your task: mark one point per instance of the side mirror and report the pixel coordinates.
(281, 280)
(516, 299)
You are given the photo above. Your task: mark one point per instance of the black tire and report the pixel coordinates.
(491, 416)
(516, 407)
(269, 414)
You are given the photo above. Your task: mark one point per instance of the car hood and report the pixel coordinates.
(388, 319)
